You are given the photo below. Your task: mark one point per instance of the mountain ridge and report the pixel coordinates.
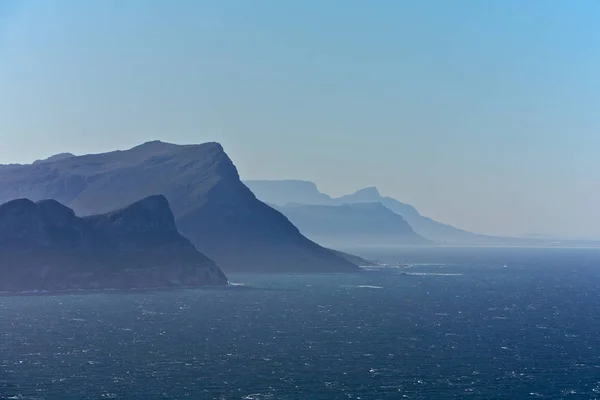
(428, 228)
(212, 207)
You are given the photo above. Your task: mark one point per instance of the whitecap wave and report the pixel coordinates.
(363, 286)
(258, 396)
(433, 274)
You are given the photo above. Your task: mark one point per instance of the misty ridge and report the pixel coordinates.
(352, 224)
(382, 220)
(207, 214)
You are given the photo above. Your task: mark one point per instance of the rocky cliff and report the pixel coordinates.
(45, 246)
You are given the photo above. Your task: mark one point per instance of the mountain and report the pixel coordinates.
(212, 207)
(288, 191)
(352, 224)
(55, 157)
(273, 192)
(45, 246)
(284, 193)
(366, 195)
(433, 230)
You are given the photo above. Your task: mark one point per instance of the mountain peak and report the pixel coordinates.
(43, 245)
(159, 144)
(16, 203)
(368, 191)
(153, 142)
(158, 150)
(16, 206)
(366, 195)
(55, 213)
(151, 214)
(56, 157)
(153, 146)
(212, 145)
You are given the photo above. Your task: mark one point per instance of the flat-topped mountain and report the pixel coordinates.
(352, 225)
(212, 207)
(45, 246)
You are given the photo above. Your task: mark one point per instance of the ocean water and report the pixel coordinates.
(453, 324)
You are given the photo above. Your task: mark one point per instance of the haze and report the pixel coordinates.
(484, 115)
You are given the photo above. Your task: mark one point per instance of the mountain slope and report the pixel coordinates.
(44, 246)
(212, 207)
(352, 224)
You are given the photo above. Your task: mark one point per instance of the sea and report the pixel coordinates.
(435, 323)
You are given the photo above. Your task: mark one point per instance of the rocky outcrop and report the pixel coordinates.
(45, 246)
(212, 207)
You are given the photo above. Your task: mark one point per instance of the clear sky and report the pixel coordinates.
(482, 114)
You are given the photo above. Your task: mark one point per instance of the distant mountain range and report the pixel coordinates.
(211, 206)
(352, 224)
(44, 246)
(287, 193)
(293, 192)
(193, 192)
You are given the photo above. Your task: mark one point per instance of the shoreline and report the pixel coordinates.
(110, 290)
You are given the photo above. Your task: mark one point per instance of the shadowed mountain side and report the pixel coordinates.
(352, 224)
(44, 246)
(212, 207)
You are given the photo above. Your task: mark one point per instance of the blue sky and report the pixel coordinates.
(485, 115)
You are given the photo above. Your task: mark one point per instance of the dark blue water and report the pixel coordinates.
(473, 323)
